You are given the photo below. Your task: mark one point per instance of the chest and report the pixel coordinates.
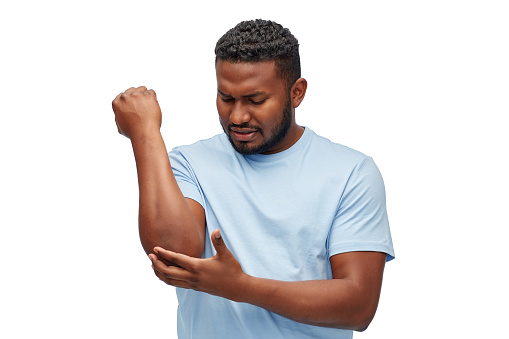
(276, 220)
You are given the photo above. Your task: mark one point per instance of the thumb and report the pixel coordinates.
(218, 242)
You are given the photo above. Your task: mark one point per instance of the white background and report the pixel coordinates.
(421, 86)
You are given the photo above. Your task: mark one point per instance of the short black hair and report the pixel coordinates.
(262, 40)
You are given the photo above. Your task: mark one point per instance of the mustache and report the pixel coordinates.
(244, 126)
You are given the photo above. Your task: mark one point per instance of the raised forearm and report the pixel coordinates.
(165, 218)
(338, 303)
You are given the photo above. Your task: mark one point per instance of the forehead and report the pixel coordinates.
(239, 77)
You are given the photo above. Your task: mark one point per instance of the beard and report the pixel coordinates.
(279, 132)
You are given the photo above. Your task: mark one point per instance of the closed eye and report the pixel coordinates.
(257, 102)
(227, 99)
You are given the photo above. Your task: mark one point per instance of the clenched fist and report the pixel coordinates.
(137, 112)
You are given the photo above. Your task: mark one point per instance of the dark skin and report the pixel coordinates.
(166, 218)
(250, 94)
(172, 228)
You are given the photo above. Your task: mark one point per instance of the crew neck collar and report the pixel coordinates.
(280, 155)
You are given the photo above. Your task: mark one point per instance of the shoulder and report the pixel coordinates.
(206, 148)
(205, 156)
(334, 153)
(215, 142)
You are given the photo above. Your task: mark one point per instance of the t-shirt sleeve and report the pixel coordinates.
(361, 222)
(184, 174)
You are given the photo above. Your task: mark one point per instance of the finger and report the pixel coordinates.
(177, 259)
(169, 281)
(129, 90)
(116, 100)
(177, 278)
(127, 94)
(141, 89)
(166, 272)
(150, 92)
(218, 242)
(170, 272)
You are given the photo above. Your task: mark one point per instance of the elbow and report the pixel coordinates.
(358, 318)
(363, 319)
(355, 321)
(362, 327)
(358, 324)
(183, 247)
(363, 312)
(172, 241)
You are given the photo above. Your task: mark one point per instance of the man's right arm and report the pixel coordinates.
(166, 218)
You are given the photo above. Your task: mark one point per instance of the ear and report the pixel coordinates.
(298, 91)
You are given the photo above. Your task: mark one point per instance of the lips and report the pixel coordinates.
(243, 134)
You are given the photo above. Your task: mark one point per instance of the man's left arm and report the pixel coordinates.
(347, 301)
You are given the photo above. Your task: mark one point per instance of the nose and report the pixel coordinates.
(239, 114)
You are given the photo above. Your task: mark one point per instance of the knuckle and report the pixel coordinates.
(194, 281)
(174, 261)
(193, 267)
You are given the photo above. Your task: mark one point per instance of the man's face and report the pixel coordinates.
(254, 107)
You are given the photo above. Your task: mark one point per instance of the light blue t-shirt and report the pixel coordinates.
(282, 216)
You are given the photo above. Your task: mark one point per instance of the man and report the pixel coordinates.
(267, 230)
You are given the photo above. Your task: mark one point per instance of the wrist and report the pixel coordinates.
(245, 289)
(148, 147)
(146, 135)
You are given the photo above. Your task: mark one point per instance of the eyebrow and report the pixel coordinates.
(255, 94)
